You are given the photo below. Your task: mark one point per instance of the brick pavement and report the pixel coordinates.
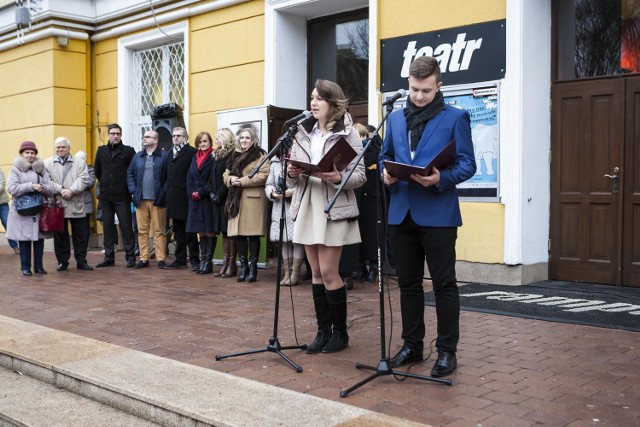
(511, 371)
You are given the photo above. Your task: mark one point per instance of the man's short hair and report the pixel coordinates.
(61, 140)
(423, 67)
(182, 130)
(114, 126)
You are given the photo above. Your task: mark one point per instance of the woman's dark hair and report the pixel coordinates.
(333, 94)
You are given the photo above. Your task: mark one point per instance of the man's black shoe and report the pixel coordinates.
(39, 270)
(446, 363)
(62, 266)
(85, 267)
(176, 265)
(141, 264)
(27, 272)
(406, 356)
(105, 263)
(162, 265)
(195, 265)
(131, 263)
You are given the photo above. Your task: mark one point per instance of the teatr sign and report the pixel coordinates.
(473, 53)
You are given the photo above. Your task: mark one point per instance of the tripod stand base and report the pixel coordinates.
(273, 347)
(384, 368)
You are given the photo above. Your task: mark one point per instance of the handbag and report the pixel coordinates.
(52, 216)
(29, 203)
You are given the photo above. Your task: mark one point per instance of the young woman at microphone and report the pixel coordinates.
(323, 235)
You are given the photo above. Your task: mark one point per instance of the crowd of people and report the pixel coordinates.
(222, 186)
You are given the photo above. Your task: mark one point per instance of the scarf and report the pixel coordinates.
(238, 161)
(201, 156)
(417, 118)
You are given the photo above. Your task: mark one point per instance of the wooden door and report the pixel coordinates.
(587, 134)
(631, 190)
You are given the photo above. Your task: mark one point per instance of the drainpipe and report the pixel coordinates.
(39, 35)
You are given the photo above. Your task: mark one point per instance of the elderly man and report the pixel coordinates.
(70, 177)
(146, 179)
(180, 157)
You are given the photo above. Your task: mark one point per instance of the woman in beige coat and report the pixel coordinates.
(324, 234)
(246, 204)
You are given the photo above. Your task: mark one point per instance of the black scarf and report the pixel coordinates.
(236, 164)
(417, 118)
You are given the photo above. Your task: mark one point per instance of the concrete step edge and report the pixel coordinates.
(161, 390)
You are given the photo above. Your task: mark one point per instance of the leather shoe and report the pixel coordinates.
(175, 265)
(85, 267)
(141, 264)
(105, 263)
(40, 270)
(62, 266)
(131, 263)
(27, 272)
(445, 364)
(406, 356)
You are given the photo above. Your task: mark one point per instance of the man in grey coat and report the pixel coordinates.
(70, 177)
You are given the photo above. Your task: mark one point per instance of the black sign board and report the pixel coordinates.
(473, 53)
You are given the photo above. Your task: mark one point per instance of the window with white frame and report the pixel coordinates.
(158, 79)
(153, 72)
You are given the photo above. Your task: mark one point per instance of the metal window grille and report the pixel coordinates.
(158, 79)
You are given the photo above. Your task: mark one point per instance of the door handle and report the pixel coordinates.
(615, 178)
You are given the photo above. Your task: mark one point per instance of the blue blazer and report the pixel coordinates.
(435, 206)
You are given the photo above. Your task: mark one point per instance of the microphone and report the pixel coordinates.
(304, 115)
(399, 94)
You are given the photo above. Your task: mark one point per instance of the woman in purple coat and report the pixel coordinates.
(28, 175)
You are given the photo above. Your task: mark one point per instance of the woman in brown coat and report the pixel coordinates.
(246, 204)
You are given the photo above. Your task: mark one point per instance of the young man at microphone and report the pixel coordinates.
(424, 212)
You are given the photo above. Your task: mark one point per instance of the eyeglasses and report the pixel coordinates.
(115, 133)
(178, 136)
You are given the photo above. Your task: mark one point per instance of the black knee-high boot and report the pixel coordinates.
(203, 248)
(254, 251)
(241, 246)
(322, 317)
(210, 245)
(337, 300)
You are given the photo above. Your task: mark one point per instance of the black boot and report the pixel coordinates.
(337, 300)
(241, 245)
(203, 248)
(254, 251)
(322, 317)
(210, 245)
(372, 274)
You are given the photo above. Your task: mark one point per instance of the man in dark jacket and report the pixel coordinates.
(180, 157)
(146, 179)
(111, 163)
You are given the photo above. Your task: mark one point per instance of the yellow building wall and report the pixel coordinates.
(481, 238)
(43, 95)
(226, 63)
(226, 68)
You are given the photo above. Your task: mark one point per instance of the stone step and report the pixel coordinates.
(27, 402)
(161, 390)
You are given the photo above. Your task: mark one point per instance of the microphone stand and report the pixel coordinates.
(384, 365)
(274, 343)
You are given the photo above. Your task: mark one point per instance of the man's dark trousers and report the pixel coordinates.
(410, 244)
(80, 236)
(123, 210)
(183, 241)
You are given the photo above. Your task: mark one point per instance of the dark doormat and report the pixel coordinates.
(555, 301)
